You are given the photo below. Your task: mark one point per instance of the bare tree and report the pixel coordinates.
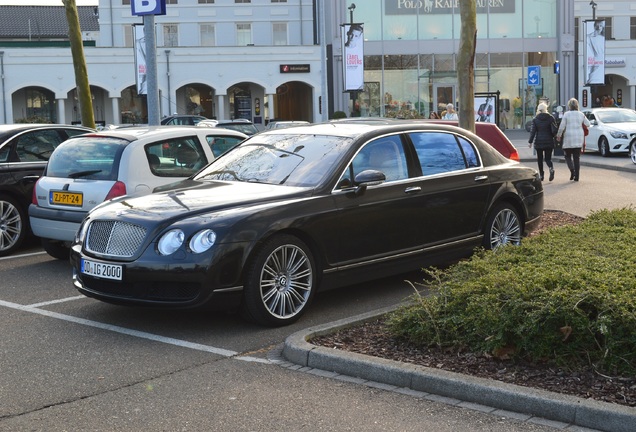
(466, 63)
(79, 64)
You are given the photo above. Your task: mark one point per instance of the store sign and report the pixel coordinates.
(615, 62)
(148, 7)
(425, 7)
(299, 68)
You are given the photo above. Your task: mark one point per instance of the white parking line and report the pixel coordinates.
(36, 305)
(122, 330)
(21, 256)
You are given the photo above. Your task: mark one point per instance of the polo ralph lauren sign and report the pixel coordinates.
(426, 7)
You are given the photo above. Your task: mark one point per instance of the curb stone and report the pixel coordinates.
(539, 406)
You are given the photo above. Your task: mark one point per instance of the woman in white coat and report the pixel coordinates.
(572, 136)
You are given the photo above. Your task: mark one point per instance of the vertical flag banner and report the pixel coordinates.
(140, 59)
(594, 52)
(353, 56)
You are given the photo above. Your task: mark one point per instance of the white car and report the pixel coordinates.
(279, 124)
(612, 130)
(89, 169)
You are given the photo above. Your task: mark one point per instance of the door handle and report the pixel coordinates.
(413, 189)
(481, 178)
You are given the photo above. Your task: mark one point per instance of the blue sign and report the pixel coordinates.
(534, 75)
(557, 67)
(148, 7)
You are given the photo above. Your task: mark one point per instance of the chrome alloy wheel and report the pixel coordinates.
(10, 226)
(286, 281)
(505, 229)
(632, 151)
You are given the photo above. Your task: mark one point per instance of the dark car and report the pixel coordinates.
(293, 211)
(182, 120)
(24, 150)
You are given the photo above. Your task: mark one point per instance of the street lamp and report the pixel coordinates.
(351, 9)
(593, 4)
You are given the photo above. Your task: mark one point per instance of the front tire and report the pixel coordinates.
(279, 282)
(603, 147)
(12, 225)
(56, 249)
(503, 227)
(632, 151)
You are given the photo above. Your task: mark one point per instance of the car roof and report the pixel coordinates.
(10, 130)
(150, 132)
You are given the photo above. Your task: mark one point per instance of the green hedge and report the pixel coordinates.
(566, 296)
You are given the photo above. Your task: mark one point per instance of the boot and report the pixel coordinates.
(571, 174)
(576, 176)
(541, 175)
(551, 174)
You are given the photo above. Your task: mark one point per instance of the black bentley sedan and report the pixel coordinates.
(293, 211)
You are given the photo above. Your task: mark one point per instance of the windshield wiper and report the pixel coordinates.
(83, 173)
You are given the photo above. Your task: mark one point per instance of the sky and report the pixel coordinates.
(46, 2)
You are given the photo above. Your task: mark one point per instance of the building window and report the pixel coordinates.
(206, 32)
(170, 35)
(608, 28)
(632, 28)
(243, 34)
(279, 32)
(129, 36)
(125, 2)
(279, 1)
(206, 1)
(172, 1)
(242, 1)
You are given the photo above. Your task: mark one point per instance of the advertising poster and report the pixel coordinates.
(140, 59)
(353, 56)
(594, 52)
(485, 109)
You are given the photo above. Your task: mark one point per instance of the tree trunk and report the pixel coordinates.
(466, 64)
(79, 63)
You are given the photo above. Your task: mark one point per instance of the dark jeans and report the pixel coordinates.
(547, 154)
(573, 159)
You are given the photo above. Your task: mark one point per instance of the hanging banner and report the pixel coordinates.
(353, 56)
(140, 59)
(594, 52)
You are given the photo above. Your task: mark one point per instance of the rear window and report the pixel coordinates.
(87, 157)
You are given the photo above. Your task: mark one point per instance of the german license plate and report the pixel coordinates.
(75, 199)
(101, 270)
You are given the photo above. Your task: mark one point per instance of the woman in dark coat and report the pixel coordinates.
(544, 129)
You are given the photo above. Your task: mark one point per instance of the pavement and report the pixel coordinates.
(563, 412)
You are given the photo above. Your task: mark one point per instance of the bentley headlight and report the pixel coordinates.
(80, 235)
(202, 241)
(170, 242)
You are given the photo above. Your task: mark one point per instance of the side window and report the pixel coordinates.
(179, 157)
(221, 144)
(472, 161)
(438, 152)
(384, 154)
(37, 146)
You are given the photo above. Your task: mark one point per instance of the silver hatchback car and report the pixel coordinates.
(87, 170)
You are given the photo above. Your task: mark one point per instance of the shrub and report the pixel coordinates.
(567, 296)
(338, 115)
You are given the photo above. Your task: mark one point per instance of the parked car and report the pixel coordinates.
(86, 170)
(24, 150)
(611, 131)
(242, 125)
(632, 150)
(279, 124)
(292, 211)
(182, 120)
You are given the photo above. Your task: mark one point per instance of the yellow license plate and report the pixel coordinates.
(66, 198)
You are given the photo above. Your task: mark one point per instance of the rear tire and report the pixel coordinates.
(632, 151)
(503, 227)
(13, 225)
(280, 282)
(56, 249)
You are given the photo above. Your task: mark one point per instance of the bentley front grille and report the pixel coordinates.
(114, 238)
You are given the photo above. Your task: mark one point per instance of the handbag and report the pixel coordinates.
(586, 131)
